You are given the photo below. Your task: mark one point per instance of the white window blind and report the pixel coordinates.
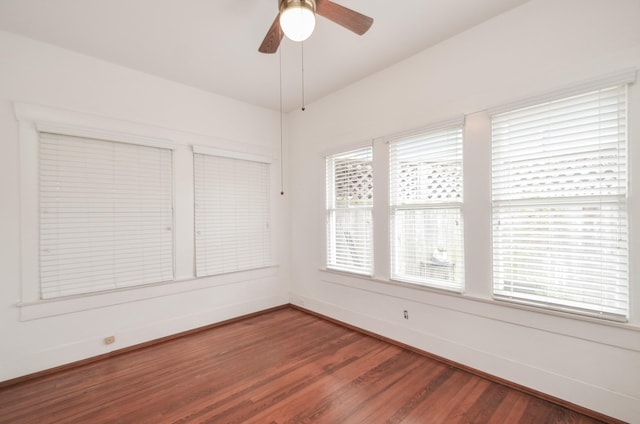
(349, 188)
(560, 204)
(426, 208)
(106, 215)
(232, 214)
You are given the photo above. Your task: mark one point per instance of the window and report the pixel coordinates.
(106, 215)
(560, 203)
(232, 214)
(426, 200)
(350, 211)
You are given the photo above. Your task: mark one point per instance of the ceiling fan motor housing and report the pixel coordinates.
(310, 4)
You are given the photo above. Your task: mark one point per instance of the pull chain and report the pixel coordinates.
(302, 60)
(281, 130)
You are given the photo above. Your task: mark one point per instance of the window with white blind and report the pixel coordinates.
(349, 190)
(425, 187)
(560, 224)
(232, 214)
(106, 215)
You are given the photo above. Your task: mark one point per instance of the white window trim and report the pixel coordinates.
(519, 314)
(554, 303)
(478, 289)
(212, 151)
(63, 274)
(85, 132)
(345, 148)
(322, 199)
(618, 78)
(455, 123)
(325, 257)
(34, 118)
(61, 306)
(274, 177)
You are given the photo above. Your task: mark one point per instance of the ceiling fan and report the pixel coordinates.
(296, 19)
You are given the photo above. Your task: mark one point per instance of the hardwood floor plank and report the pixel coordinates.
(402, 393)
(512, 409)
(485, 406)
(420, 396)
(438, 407)
(284, 366)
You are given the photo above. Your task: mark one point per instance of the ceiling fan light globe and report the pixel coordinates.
(297, 22)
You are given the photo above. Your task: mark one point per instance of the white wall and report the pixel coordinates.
(542, 46)
(40, 335)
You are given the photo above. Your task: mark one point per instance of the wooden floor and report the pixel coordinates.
(284, 366)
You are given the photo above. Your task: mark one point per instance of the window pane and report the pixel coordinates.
(106, 215)
(232, 214)
(426, 199)
(559, 204)
(350, 245)
(349, 211)
(562, 254)
(426, 245)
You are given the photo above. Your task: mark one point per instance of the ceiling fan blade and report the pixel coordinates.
(350, 19)
(273, 38)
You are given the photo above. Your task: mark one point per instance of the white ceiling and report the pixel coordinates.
(213, 44)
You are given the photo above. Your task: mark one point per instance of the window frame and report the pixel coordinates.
(56, 139)
(224, 154)
(31, 120)
(623, 79)
(331, 209)
(28, 116)
(421, 138)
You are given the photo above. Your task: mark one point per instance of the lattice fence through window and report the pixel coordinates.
(354, 182)
(432, 181)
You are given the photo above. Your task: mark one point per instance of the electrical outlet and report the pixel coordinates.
(406, 314)
(109, 340)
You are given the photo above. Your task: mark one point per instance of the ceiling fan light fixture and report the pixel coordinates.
(297, 18)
